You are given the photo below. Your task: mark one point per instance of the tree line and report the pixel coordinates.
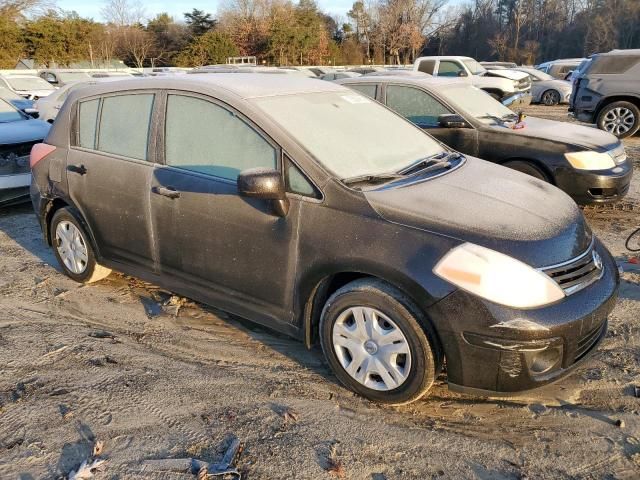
(281, 32)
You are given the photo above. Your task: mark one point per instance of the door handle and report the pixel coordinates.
(166, 192)
(79, 169)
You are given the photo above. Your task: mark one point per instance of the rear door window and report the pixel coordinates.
(124, 125)
(87, 122)
(427, 66)
(204, 137)
(368, 90)
(415, 105)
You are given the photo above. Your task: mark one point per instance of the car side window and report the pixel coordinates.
(415, 105)
(124, 125)
(427, 66)
(449, 68)
(368, 90)
(87, 121)
(204, 137)
(297, 181)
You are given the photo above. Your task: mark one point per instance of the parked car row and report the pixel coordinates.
(314, 209)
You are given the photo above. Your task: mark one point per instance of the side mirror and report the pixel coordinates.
(452, 120)
(462, 73)
(265, 184)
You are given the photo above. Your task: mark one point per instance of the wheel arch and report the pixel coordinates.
(56, 204)
(321, 289)
(616, 98)
(536, 163)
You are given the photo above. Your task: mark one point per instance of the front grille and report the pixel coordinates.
(14, 159)
(578, 273)
(588, 340)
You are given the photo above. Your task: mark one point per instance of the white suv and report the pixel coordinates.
(510, 87)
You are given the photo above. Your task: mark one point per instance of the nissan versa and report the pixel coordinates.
(590, 165)
(314, 210)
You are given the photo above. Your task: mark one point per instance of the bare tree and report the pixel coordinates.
(123, 13)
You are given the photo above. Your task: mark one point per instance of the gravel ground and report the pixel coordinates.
(156, 376)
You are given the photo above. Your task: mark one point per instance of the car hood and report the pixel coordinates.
(492, 206)
(570, 133)
(506, 73)
(23, 131)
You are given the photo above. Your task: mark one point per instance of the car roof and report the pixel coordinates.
(243, 85)
(427, 81)
(632, 52)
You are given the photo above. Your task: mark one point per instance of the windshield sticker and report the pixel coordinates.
(355, 99)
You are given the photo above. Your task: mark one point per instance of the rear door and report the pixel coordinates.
(422, 109)
(109, 172)
(209, 238)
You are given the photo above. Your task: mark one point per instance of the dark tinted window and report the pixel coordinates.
(449, 68)
(427, 66)
(204, 137)
(124, 125)
(612, 63)
(87, 120)
(415, 105)
(368, 90)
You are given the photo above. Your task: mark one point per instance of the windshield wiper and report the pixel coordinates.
(372, 178)
(431, 163)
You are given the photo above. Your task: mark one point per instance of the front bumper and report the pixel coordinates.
(495, 350)
(590, 187)
(515, 100)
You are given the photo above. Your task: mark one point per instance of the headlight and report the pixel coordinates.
(497, 277)
(590, 160)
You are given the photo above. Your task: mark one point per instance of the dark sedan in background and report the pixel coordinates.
(588, 164)
(18, 133)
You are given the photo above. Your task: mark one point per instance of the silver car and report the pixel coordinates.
(545, 89)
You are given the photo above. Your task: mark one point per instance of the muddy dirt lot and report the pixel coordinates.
(155, 376)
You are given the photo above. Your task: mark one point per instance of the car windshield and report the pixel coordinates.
(73, 76)
(349, 133)
(8, 113)
(474, 67)
(29, 83)
(9, 95)
(477, 103)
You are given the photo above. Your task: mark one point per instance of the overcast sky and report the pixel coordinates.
(176, 8)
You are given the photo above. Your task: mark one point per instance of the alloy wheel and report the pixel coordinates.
(551, 97)
(71, 247)
(371, 348)
(619, 120)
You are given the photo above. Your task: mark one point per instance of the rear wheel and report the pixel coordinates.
(528, 168)
(374, 340)
(619, 118)
(550, 98)
(73, 250)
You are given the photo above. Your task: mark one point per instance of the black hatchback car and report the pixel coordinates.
(590, 165)
(312, 209)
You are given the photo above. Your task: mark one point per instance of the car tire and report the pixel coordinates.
(73, 250)
(622, 119)
(550, 98)
(392, 378)
(528, 168)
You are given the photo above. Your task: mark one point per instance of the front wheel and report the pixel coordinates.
(619, 118)
(378, 343)
(550, 98)
(73, 250)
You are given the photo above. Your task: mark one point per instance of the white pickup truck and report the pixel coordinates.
(510, 87)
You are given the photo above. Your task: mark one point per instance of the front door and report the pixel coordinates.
(109, 174)
(234, 249)
(423, 109)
